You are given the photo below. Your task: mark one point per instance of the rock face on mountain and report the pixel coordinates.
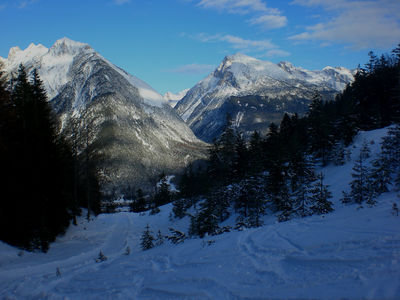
(137, 132)
(255, 93)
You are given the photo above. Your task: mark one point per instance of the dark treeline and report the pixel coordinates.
(277, 172)
(41, 188)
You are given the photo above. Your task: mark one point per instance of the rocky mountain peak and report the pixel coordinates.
(68, 46)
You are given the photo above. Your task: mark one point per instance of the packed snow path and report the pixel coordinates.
(351, 253)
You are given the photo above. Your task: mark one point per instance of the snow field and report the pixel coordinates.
(352, 253)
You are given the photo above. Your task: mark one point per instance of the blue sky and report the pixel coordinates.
(172, 44)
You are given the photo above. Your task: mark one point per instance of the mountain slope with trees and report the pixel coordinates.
(281, 166)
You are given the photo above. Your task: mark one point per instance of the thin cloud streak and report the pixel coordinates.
(264, 48)
(236, 42)
(270, 21)
(266, 17)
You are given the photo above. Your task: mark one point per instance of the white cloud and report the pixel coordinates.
(240, 43)
(260, 47)
(120, 2)
(270, 21)
(193, 69)
(360, 24)
(268, 18)
(236, 42)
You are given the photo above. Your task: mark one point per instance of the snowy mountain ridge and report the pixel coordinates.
(351, 253)
(59, 59)
(239, 75)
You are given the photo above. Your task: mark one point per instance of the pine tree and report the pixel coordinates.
(163, 194)
(338, 155)
(147, 239)
(361, 184)
(250, 201)
(241, 159)
(255, 153)
(380, 175)
(321, 195)
(178, 208)
(319, 129)
(40, 177)
(206, 220)
(139, 203)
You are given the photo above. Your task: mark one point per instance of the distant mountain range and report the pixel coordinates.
(137, 131)
(255, 93)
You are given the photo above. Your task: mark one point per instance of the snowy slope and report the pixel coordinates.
(280, 87)
(351, 253)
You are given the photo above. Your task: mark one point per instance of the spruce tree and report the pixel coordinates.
(241, 159)
(302, 177)
(361, 184)
(338, 155)
(39, 169)
(321, 195)
(206, 220)
(250, 201)
(163, 194)
(147, 239)
(139, 203)
(178, 208)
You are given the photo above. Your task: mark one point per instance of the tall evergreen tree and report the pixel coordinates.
(147, 239)
(139, 202)
(361, 185)
(40, 173)
(321, 195)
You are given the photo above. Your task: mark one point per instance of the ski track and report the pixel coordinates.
(263, 263)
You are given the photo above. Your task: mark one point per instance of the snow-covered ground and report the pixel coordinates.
(352, 253)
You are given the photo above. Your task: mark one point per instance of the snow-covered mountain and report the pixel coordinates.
(137, 132)
(173, 99)
(254, 93)
(351, 253)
